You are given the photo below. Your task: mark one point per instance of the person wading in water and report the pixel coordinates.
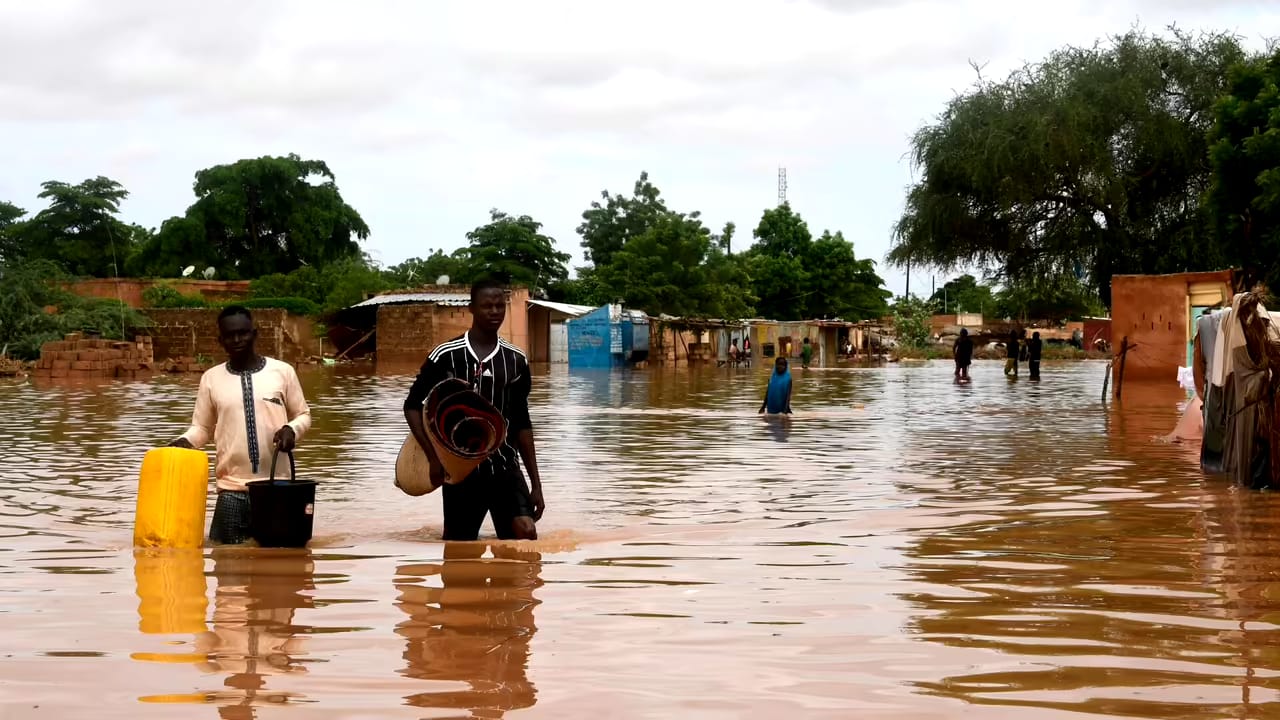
(499, 372)
(777, 398)
(963, 354)
(246, 405)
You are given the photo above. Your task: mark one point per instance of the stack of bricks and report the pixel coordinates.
(76, 357)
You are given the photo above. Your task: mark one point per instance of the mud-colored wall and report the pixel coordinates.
(1153, 312)
(129, 290)
(193, 332)
(407, 332)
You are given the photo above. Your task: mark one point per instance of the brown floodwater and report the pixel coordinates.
(903, 548)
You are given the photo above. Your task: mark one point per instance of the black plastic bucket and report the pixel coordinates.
(282, 512)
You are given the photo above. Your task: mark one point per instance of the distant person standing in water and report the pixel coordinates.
(777, 398)
(246, 405)
(963, 354)
(1034, 350)
(806, 354)
(1011, 353)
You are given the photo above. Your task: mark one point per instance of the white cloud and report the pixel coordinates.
(431, 113)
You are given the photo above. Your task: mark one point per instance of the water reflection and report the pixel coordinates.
(253, 634)
(172, 597)
(1109, 583)
(474, 628)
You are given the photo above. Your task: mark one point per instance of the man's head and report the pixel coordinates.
(1035, 336)
(488, 305)
(236, 332)
(964, 332)
(780, 365)
(806, 341)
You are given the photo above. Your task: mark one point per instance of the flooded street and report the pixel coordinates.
(904, 548)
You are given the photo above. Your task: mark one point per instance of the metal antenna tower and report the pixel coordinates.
(782, 186)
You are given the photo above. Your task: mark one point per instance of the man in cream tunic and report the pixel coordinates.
(248, 406)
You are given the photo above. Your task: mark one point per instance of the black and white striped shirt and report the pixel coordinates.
(502, 378)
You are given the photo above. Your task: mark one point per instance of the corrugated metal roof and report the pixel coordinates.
(451, 299)
(566, 308)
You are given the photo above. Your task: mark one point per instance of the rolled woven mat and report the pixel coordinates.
(463, 427)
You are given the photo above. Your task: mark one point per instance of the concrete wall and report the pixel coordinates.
(1153, 311)
(590, 339)
(190, 333)
(130, 290)
(940, 323)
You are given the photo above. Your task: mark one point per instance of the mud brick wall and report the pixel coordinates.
(406, 333)
(192, 332)
(76, 357)
(129, 290)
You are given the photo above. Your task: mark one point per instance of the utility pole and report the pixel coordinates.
(782, 186)
(907, 294)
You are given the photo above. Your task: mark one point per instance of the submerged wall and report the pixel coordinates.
(1154, 312)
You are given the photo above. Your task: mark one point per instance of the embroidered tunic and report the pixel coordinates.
(241, 412)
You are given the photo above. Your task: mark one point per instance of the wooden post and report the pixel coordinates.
(1106, 381)
(1124, 350)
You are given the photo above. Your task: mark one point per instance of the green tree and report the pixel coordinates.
(10, 217)
(1243, 201)
(673, 269)
(606, 228)
(795, 276)
(332, 287)
(514, 250)
(1059, 298)
(416, 272)
(261, 216)
(963, 294)
(840, 285)
(180, 243)
(79, 231)
(1089, 163)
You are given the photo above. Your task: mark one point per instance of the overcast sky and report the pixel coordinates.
(431, 113)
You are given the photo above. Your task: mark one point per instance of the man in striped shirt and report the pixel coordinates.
(499, 372)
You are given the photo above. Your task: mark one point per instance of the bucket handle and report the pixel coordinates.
(293, 470)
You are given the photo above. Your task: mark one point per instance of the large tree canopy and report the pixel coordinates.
(797, 277)
(514, 250)
(673, 268)
(1243, 201)
(657, 260)
(606, 228)
(79, 231)
(260, 216)
(1090, 163)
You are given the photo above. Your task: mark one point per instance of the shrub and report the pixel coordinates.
(295, 305)
(167, 296)
(911, 322)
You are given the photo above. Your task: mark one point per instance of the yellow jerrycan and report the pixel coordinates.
(172, 496)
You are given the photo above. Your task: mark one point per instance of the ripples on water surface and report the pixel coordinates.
(905, 548)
